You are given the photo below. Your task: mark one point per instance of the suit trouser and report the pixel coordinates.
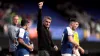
(43, 53)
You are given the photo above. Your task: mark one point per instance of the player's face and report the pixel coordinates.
(27, 25)
(47, 23)
(15, 20)
(75, 25)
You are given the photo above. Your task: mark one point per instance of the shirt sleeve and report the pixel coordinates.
(21, 33)
(69, 31)
(11, 33)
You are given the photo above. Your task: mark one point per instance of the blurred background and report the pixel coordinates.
(87, 12)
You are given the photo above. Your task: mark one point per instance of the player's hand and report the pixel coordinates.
(74, 52)
(40, 5)
(82, 51)
(56, 48)
(30, 47)
(77, 45)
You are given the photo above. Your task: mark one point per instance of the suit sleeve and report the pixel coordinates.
(39, 24)
(51, 41)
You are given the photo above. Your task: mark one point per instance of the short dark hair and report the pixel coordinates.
(24, 22)
(74, 20)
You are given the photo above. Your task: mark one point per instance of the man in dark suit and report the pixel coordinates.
(45, 43)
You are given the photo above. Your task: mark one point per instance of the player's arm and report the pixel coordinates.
(81, 49)
(70, 38)
(21, 41)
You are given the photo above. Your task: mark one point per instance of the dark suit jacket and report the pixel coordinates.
(44, 35)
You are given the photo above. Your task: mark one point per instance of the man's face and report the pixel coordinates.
(47, 23)
(27, 25)
(15, 20)
(75, 25)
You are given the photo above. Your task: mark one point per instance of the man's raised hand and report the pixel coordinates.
(40, 4)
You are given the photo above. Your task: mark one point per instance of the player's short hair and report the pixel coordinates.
(24, 22)
(73, 20)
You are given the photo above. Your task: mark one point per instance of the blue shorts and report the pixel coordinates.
(22, 52)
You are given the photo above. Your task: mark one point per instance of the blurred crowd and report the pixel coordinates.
(8, 10)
